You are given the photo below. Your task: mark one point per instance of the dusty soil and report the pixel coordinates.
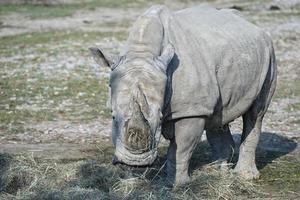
(283, 25)
(104, 19)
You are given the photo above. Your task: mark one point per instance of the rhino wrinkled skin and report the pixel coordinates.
(184, 72)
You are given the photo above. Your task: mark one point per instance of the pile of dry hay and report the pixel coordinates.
(24, 177)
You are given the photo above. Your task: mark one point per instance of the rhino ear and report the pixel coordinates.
(166, 57)
(100, 58)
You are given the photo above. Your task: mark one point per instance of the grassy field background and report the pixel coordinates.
(55, 126)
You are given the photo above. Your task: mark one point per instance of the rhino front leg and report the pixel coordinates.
(222, 144)
(187, 134)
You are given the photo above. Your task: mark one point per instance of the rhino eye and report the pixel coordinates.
(113, 117)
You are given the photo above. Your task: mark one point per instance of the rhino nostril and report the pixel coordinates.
(115, 160)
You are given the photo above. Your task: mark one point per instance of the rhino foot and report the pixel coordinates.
(182, 181)
(247, 173)
(177, 174)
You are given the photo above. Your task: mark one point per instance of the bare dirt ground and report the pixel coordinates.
(53, 96)
(283, 25)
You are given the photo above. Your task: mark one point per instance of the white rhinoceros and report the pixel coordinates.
(185, 72)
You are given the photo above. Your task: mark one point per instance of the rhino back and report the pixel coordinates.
(223, 62)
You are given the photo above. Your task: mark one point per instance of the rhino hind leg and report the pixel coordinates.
(187, 134)
(252, 123)
(222, 145)
(246, 167)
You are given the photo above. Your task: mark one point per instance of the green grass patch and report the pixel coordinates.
(296, 121)
(287, 89)
(122, 23)
(282, 14)
(30, 39)
(22, 101)
(31, 94)
(282, 177)
(293, 107)
(37, 11)
(41, 11)
(280, 171)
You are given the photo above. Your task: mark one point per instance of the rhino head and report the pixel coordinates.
(137, 87)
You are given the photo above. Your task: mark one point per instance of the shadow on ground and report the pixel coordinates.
(5, 160)
(271, 146)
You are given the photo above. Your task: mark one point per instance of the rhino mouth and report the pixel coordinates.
(123, 156)
(137, 145)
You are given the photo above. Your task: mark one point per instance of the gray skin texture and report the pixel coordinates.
(185, 72)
